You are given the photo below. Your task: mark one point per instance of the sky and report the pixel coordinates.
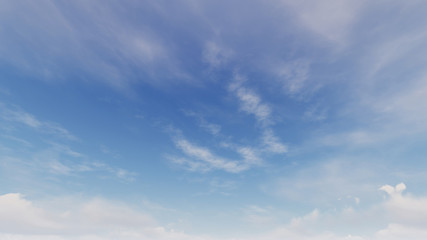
(208, 120)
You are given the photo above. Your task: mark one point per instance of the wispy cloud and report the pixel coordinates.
(214, 129)
(399, 214)
(293, 75)
(112, 53)
(250, 102)
(404, 104)
(272, 143)
(395, 114)
(328, 181)
(198, 158)
(315, 113)
(216, 55)
(390, 52)
(19, 213)
(259, 217)
(331, 19)
(211, 128)
(220, 186)
(21, 117)
(15, 115)
(203, 159)
(250, 156)
(71, 218)
(98, 218)
(18, 140)
(57, 158)
(120, 173)
(60, 160)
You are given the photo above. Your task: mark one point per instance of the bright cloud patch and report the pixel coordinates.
(101, 219)
(95, 219)
(203, 159)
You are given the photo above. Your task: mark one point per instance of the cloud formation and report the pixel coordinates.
(331, 19)
(202, 159)
(101, 219)
(15, 115)
(92, 219)
(250, 102)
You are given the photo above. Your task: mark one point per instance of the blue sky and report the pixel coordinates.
(207, 120)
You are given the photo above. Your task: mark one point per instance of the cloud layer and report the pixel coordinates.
(102, 219)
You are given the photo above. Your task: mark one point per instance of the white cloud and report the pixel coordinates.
(216, 55)
(58, 160)
(301, 221)
(304, 228)
(404, 216)
(396, 113)
(393, 50)
(18, 215)
(404, 104)
(249, 156)
(21, 117)
(405, 209)
(326, 182)
(205, 160)
(219, 186)
(56, 129)
(74, 219)
(250, 102)
(146, 50)
(64, 149)
(390, 88)
(108, 46)
(353, 138)
(15, 115)
(23, 142)
(272, 143)
(357, 200)
(331, 19)
(214, 129)
(390, 190)
(200, 158)
(260, 217)
(399, 232)
(293, 75)
(211, 128)
(315, 113)
(218, 183)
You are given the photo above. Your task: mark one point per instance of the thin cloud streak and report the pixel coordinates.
(203, 159)
(15, 115)
(250, 102)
